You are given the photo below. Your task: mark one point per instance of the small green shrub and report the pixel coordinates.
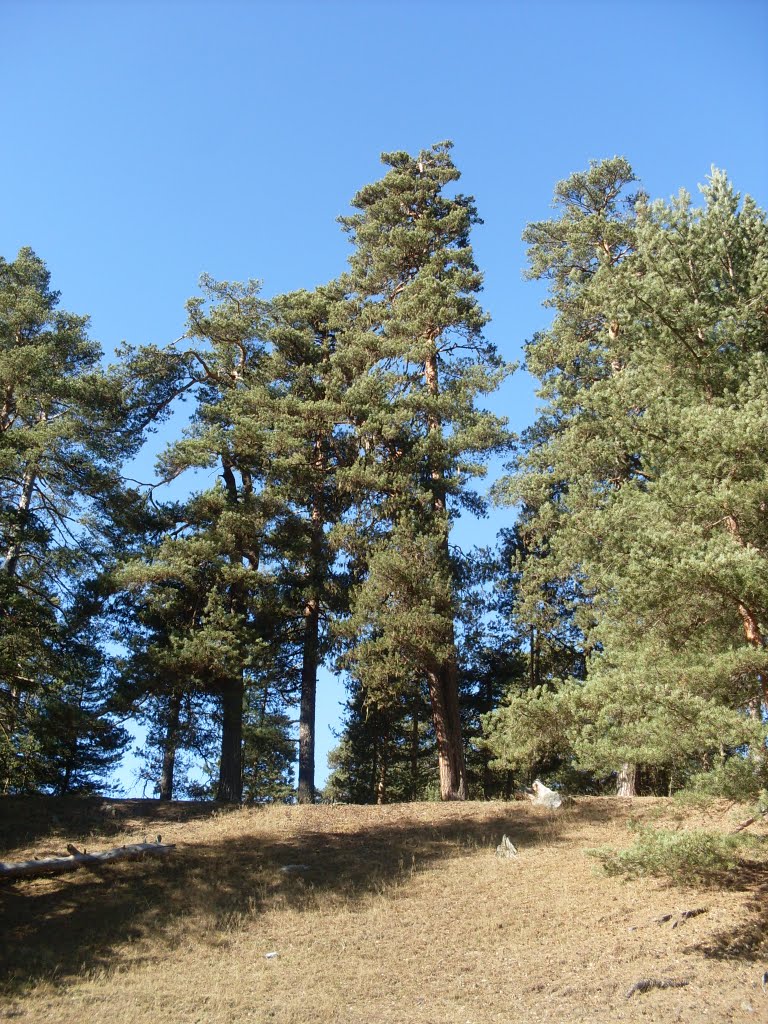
(682, 857)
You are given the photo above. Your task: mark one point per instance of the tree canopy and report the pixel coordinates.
(613, 634)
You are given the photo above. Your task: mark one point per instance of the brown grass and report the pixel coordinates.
(405, 916)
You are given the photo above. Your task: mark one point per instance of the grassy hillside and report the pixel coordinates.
(402, 914)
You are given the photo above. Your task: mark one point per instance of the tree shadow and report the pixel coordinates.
(747, 940)
(54, 821)
(57, 927)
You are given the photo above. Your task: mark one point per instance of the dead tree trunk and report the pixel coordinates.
(62, 865)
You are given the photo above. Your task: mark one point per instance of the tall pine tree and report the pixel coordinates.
(645, 475)
(422, 363)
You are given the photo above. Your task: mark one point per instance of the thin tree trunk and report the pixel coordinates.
(626, 783)
(509, 779)
(307, 711)
(488, 779)
(170, 746)
(381, 773)
(374, 770)
(444, 683)
(311, 652)
(230, 789)
(66, 781)
(10, 567)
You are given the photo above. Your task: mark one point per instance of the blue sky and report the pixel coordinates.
(146, 143)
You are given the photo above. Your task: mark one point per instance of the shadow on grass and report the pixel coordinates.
(55, 821)
(748, 940)
(54, 928)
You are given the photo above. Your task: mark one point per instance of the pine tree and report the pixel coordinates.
(65, 425)
(421, 364)
(210, 569)
(300, 418)
(645, 474)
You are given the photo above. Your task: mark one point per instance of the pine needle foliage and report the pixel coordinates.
(645, 478)
(682, 857)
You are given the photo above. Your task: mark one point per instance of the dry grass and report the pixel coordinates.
(405, 916)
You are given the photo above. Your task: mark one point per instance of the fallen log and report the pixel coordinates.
(77, 860)
(750, 821)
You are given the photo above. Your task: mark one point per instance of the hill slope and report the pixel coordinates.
(399, 914)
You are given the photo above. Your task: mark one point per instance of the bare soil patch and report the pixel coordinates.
(399, 914)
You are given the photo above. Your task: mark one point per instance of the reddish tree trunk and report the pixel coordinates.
(444, 696)
(444, 681)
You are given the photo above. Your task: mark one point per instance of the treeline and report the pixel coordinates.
(614, 631)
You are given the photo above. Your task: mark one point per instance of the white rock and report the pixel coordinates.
(544, 797)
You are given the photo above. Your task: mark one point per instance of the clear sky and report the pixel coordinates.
(145, 143)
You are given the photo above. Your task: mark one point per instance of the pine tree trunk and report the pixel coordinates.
(626, 783)
(381, 774)
(306, 787)
(759, 703)
(230, 789)
(63, 788)
(754, 637)
(311, 652)
(170, 746)
(443, 691)
(488, 777)
(532, 666)
(444, 683)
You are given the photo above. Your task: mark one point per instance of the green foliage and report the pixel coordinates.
(684, 857)
(268, 757)
(629, 624)
(63, 433)
(531, 730)
(737, 778)
(644, 481)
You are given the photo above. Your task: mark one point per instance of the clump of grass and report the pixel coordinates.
(688, 856)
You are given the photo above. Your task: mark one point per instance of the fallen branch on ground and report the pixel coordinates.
(750, 821)
(77, 860)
